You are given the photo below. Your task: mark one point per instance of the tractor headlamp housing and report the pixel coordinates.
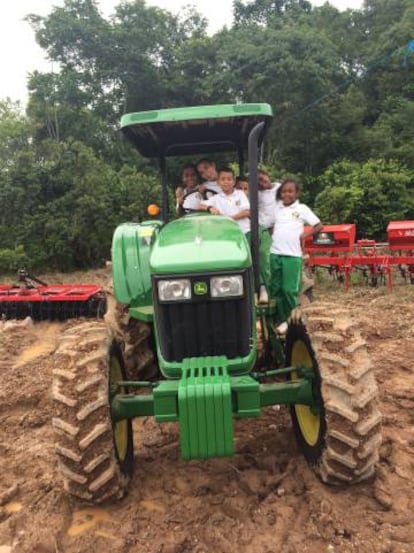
(190, 307)
(228, 286)
(196, 288)
(174, 290)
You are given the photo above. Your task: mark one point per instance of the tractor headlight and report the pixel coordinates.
(226, 286)
(174, 290)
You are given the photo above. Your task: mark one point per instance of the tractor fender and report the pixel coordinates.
(131, 248)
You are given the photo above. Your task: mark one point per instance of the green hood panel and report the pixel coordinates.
(131, 247)
(200, 243)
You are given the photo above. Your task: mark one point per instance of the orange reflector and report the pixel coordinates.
(153, 210)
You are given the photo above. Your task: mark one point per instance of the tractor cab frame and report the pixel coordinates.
(204, 130)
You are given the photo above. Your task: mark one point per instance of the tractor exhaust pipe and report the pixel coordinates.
(253, 159)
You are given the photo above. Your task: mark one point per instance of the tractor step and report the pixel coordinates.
(266, 308)
(205, 408)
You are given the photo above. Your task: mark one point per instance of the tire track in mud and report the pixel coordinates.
(263, 500)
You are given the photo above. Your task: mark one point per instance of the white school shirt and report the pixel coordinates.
(193, 201)
(266, 205)
(212, 185)
(231, 204)
(289, 221)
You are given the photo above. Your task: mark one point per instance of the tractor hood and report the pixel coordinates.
(200, 244)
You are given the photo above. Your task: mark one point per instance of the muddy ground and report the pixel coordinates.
(265, 499)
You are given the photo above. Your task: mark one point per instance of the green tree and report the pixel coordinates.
(263, 11)
(14, 133)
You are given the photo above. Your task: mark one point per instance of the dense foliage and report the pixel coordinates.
(343, 101)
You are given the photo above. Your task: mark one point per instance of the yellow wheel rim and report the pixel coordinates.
(120, 428)
(309, 423)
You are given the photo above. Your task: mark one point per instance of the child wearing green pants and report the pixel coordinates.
(288, 239)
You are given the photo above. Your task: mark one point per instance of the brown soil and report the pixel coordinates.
(265, 499)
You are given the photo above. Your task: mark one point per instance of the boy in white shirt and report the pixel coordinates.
(229, 202)
(286, 252)
(234, 203)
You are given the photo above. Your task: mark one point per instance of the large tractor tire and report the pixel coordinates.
(135, 339)
(341, 439)
(95, 455)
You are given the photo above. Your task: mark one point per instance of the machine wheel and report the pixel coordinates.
(135, 339)
(341, 440)
(95, 455)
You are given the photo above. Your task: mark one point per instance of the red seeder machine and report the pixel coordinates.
(336, 250)
(30, 297)
(401, 245)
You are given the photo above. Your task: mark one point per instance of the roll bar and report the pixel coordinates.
(253, 158)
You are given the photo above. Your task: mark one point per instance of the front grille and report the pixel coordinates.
(201, 328)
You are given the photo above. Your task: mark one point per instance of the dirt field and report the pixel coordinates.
(263, 500)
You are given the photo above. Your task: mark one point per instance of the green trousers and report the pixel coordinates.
(265, 241)
(286, 278)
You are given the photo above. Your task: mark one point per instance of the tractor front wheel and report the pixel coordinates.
(95, 455)
(135, 339)
(340, 436)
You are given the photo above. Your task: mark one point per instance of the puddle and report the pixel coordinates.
(86, 519)
(152, 505)
(12, 507)
(46, 336)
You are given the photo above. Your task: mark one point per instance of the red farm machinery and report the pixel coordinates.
(31, 297)
(401, 245)
(336, 250)
(331, 249)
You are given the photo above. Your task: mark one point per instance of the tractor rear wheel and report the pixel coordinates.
(340, 438)
(95, 455)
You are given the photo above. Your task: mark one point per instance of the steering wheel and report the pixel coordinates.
(208, 192)
(192, 200)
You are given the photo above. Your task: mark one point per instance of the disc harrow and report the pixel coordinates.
(31, 297)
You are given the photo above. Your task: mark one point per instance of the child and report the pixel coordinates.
(242, 183)
(189, 180)
(286, 251)
(229, 201)
(206, 168)
(267, 199)
(266, 205)
(233, 203)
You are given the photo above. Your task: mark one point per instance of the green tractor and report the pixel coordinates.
(184, 307)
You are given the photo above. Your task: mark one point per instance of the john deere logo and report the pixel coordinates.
(200, 288)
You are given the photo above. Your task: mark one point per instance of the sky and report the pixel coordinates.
(20, 54)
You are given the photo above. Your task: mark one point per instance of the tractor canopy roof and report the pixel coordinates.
(194, 130)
